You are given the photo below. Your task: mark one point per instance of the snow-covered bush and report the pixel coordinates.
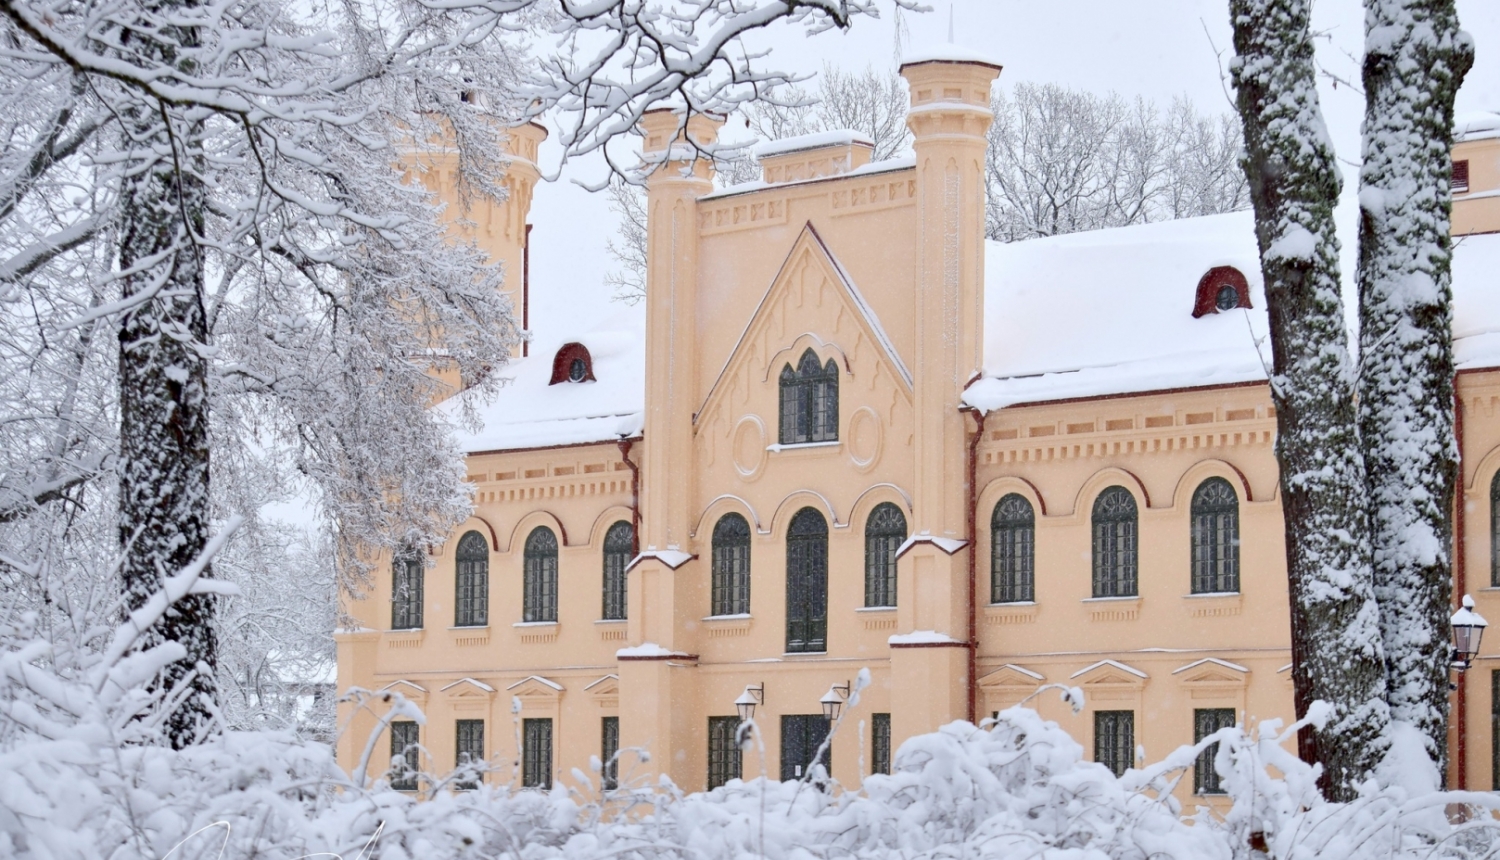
(84, 774)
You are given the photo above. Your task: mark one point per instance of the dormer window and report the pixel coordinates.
(1222, 288)
(572, 364)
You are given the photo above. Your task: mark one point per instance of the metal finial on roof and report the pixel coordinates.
(950, 23)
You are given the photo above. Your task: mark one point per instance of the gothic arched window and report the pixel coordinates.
(730, 572)
(807, 582)
(1216, 537)
(539, 586)
(1013, 551)
(810, 401)
(407, 571)
(885, 531)
(471, 599)
(619, 545)
(1115, 544)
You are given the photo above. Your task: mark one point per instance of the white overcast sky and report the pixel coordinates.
(1157, 49)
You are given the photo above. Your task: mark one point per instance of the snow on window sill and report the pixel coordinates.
(1022, 604)
(795, 654)
(599, 621)
(801, 446)
(1136, 598)
(891, 608)
(738, 616)
(470, 627)
(1210, 594)
(535, 624)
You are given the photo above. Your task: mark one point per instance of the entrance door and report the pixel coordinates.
(801, 735)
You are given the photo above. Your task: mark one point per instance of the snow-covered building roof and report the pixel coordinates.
(1476, 125)
(530, 411)
(1092, 314)
(1110, 312)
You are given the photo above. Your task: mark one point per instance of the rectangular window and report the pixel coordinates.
(1114, 740)
(470, 752)
(801, 735)
(536, 753)
(1495, 730)
(1206, 721)
(404, 751)
(1460, 182)
(880, 743)
(609, 745)
(723, 750)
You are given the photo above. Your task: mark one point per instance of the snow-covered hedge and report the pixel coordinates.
(81, 777)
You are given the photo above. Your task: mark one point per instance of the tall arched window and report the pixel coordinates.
(1115, 544)
(619, 545)
(810, 401)
(407, 571)
(885, 531)
(807, 582)
(539, 586)
(1495, 531)
(471, 599)
(1013, 551)
(1216, 537)
(730, 584)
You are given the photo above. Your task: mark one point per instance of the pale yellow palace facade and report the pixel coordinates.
(847, 433)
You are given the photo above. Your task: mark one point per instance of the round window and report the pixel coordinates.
(578, 370)
(1228, 298)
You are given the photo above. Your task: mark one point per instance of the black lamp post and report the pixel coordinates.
(1468, 628)
(747, 701)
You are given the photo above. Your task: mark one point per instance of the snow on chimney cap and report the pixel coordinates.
(945, 52)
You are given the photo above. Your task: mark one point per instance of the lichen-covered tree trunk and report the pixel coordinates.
(163, 379)
(1294, 184)
(1415, 59)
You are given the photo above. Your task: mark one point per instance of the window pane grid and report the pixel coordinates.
(809, 401)
(539, 598)
(536, 754)
(885, 531)
(404, 751)
(880, 743)
(723, 750)
(470, 750)
(609, 746)
(1206, 721)
(407, 573)
(1115, 553)
(730, 574)
(1215, 538)
(1114, 740)
(472, 582)
(618, 543)
(807, 583)
(1013, 551)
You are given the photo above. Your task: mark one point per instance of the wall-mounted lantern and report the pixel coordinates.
(833, 701)
(1468, 628)
(747, 701)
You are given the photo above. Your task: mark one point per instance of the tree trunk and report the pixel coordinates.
(1415, 59)
(164, 477)
(1294, 184)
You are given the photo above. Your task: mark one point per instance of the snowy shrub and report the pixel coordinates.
(84, 774)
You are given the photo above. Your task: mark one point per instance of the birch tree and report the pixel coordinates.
(215, 182)
(1415, 59)
(1337, 655)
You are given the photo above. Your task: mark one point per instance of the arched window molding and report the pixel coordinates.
(885, 531)
(730, 566)
(471, 581)
(1215, 537)
(618, 543)
(1013, 551)
(408, 570)
(539, 585)
(1116, 544)
(807, 582)
(809, 401)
